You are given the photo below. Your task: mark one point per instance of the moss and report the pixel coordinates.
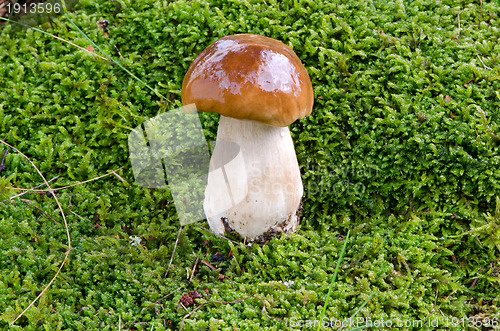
(402, 148)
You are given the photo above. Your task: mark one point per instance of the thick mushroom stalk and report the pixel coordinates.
(265, 188)
(259, 86)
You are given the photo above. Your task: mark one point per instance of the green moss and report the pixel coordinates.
(402, 148)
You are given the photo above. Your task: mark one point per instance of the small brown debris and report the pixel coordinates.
(208, 265)
(195, 295)
(421, 117)
(447, 98)
(187, 299)
(97, 225)
(103, 25)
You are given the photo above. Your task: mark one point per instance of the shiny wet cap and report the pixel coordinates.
(252, 77)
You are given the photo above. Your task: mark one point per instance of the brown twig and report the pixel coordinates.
(119, 53)
(194, 268)
(28, 190)
(264, 311)
(66, 254)
(166, 296)
(43, 211)
(119, 177)
(208, 265)
(112, 172)
(173, 253)
(219, 235)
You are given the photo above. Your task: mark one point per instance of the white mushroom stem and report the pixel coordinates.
(255, 188)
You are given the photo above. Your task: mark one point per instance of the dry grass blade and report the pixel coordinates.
(65, 224)
(173, 253)
(40, 209)
(219, 235)
(119, 177)
(166, 296)
(112, 172)
(194, 268)
(27, 190)
(56, 37)
(83, 219)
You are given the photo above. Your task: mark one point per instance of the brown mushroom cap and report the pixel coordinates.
(247, 76)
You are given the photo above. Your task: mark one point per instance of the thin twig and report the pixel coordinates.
(46, 287)
(484, 65)
(119, 177)
(66, 254)
(83, 219)
(54, 36)
(43, 211)
(119, 53)
(194, 268)
(208, 265)
(28, 190)
(112, 60)
(449, 295)
(173, 253)
(166, 296)
(68, 186)
(265, 311)
(219, 235)
(439, 307)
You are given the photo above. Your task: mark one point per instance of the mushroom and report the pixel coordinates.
(259, 86)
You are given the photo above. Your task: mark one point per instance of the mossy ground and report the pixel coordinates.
(402, 148)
